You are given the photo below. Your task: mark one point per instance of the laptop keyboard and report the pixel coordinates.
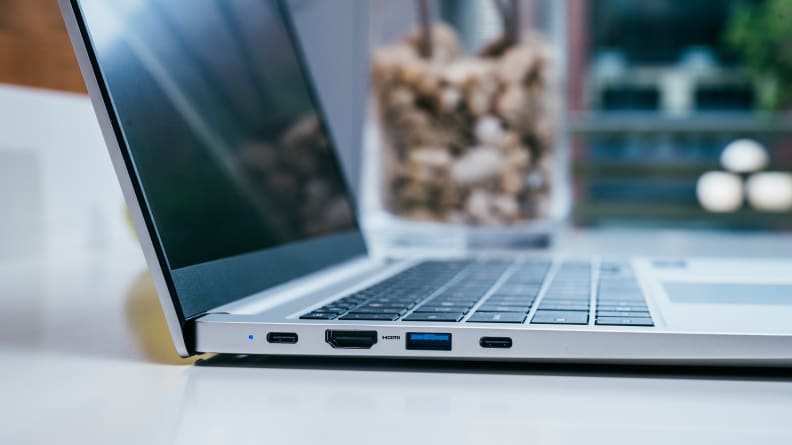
(512, 300)
(568, 298)
(497, 291)
(620, 301)
(392, 298)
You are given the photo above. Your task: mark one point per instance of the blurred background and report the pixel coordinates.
(658, 89)
(653, 94)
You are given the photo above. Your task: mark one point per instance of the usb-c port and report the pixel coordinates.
(282, 337)
(495, 342)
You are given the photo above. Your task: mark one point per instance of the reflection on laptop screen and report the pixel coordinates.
(226, 141)
(220, 122)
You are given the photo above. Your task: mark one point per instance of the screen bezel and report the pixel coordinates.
(343, 246)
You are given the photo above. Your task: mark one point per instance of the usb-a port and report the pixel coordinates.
(429, 341)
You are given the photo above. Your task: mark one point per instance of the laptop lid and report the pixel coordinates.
(224, 142)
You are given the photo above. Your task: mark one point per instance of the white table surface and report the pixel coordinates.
(85, 356)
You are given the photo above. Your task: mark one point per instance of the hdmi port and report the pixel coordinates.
(351, 339)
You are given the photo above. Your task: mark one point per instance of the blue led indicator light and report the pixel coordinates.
(250, 337)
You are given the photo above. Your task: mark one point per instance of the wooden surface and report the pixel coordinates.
(34, 47)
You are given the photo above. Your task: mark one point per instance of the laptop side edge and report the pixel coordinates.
(122, 165)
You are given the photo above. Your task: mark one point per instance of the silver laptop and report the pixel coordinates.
(250, 232)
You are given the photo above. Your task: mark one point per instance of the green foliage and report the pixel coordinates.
(761, 32)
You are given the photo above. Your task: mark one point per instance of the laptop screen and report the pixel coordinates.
(226, 140)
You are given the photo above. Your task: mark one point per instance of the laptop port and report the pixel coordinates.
(429, 341)
(282, 337)
(351, 339)
(495, 342)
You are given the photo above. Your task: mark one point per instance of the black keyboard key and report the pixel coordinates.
(456, 300)
(450, 303)
(567, 300)
(563, 307)
(635, 295)
(319, 316)
(639, 314)
(501, 308)
(563, 283)
(624, 321)
(622, 308)
(497, 317)
(383, 305)
(434, 316)
(512, 289)
(567, 295)
(435, 302)
(621, 302)
(511, 300)
(379, 310)
(612, 302)
(617, 299)
(379, 317)
(336, 309)
(523, 299)
(560, 317)
(434, 309)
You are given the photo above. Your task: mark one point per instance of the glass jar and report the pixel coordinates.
(465, 143)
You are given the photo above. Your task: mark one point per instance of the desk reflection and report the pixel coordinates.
(340, 401)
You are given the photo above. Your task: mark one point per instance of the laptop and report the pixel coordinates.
(250, 232)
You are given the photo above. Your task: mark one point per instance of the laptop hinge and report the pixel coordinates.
(189, 330)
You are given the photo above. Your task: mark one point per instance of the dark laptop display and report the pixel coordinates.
(228, 144)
